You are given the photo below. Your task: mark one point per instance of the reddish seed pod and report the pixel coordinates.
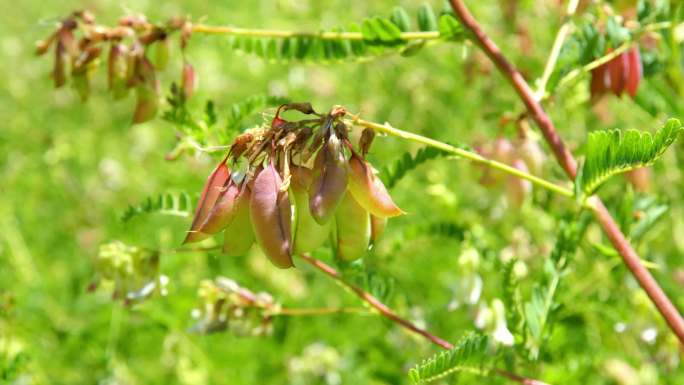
(617, 68)
(369, 190)
(188, 80)
(223, 212)
(329, 181)
(59, 69)
(271, 216)
(239, 235)
(210, 193)
(635, 71)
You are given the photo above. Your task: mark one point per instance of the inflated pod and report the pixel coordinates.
(223, 211)
(635, 71)
(618, 68)
(271, 216)
(369, 190)
(239, 235)
(308, 235)
(517, 189)
(352, 229)
(147, 92)
(210, 193)
(377, 228)
(329, 181)
(116, 70)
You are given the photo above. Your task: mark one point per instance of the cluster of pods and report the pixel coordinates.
(621, 74)
(137, 49)
(291, 186)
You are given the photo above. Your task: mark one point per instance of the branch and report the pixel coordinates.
(275, 33)
(566, 160)
(392, 316)
(461, 153)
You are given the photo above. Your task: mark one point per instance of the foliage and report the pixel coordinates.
(469, 354)
(180, 205)
(610, 152)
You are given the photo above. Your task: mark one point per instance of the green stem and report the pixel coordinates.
(472, 156)
(562, 34)
(327, 35)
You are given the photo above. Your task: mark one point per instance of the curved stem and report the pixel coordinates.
(318, 311)
(472, 156)
(392, 316)
(326, 35)
(556, 49)
(567, 161)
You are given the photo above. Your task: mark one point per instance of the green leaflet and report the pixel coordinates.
(610, 152)
(469, 354)
(243, 109)
(379, 35)
(393, 174)
(179, 204)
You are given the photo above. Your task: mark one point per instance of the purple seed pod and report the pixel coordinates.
(369, 190)
(329, 181)
(210, 193)
(271, 215)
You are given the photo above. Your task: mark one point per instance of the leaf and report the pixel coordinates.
(450, 28)
(610, 152)
(469, 354)
(391, 175)
(179, 204)
(427, 21)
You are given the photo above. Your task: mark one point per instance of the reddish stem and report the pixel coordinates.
(566, 160)
(392, 316)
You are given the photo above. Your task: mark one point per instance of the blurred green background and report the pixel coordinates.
(69, 170)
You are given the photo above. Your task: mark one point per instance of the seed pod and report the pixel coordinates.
(147, 92)
(366, 140)
(600, 81)
(308, 235)
(640, 179)
(618, 68)
(212, 189)
(271, 216)
(223, 212)
(188, 80)
(369, 190)
(635, 72)
(239, 235)
(116, 70)
(329, 181)
(352, 229)
(533, 156)
(377, 228)
(161, 53)
(517, 188)
(59, 69)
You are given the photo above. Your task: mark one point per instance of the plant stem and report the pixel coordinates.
(473, 156)
(275, 33)
(556, 49)
(567, 161)
(392, 316)
(318, 311)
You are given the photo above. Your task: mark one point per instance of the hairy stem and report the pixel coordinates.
(392, 316)
(567, 161)
(275, 33)
(472, 156)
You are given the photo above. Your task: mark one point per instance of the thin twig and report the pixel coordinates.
(470, 155)
(318, 311)
(567, 161)
(392, 316)
(563, 32)
(327, 35)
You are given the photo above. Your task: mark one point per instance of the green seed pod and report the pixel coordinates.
(352, 229)
(239, 235)
(329, 181)
(147, 92)
(308, 235)
(161, 54)
(271, 216)
(369, 190)
(212, 189)
(377, 228)
(117, 69)
(223, 211)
